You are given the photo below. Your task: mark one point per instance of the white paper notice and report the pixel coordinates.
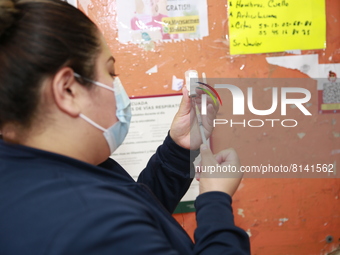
(151, 121)
(152, 70)
(142, 21)
(307, 64)
(327, 76)
(296, 52)
(177, 84)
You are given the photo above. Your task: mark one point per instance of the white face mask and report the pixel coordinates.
(115, 134)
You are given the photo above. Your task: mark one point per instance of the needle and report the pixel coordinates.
(200, 125)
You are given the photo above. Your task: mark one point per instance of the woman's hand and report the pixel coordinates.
(212, 177)
(184, 128)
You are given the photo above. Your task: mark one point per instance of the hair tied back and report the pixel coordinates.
(7, 15)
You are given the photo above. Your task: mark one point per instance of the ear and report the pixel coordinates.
(67, 92)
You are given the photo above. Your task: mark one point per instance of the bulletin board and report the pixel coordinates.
(281, 215)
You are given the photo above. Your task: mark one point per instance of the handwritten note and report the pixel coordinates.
(261, 26)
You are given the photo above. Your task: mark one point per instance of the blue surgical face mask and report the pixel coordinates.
(115, 134)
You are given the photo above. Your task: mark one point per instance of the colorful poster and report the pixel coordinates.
(142, 21)
(329, 88)
(261, 26)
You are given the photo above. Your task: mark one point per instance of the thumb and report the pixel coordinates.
(185, 106)
(207, 158)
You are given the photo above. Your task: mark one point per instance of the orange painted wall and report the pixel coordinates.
(312, 206)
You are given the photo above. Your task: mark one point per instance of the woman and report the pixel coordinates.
(62, 114)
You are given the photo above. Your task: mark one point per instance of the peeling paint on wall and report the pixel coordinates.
(335, 152)
(301, 135)
(336, 134)
(240, 212)
(282, 220)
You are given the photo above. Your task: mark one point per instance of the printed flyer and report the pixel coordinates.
(142, 21)
(329, 89)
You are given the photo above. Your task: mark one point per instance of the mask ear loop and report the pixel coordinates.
(199, 122)
(91, 122)
(82, 115)
(95, 82)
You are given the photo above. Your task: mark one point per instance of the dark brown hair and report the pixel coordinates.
(37, 38)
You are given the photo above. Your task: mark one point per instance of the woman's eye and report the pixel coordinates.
(113, 75)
